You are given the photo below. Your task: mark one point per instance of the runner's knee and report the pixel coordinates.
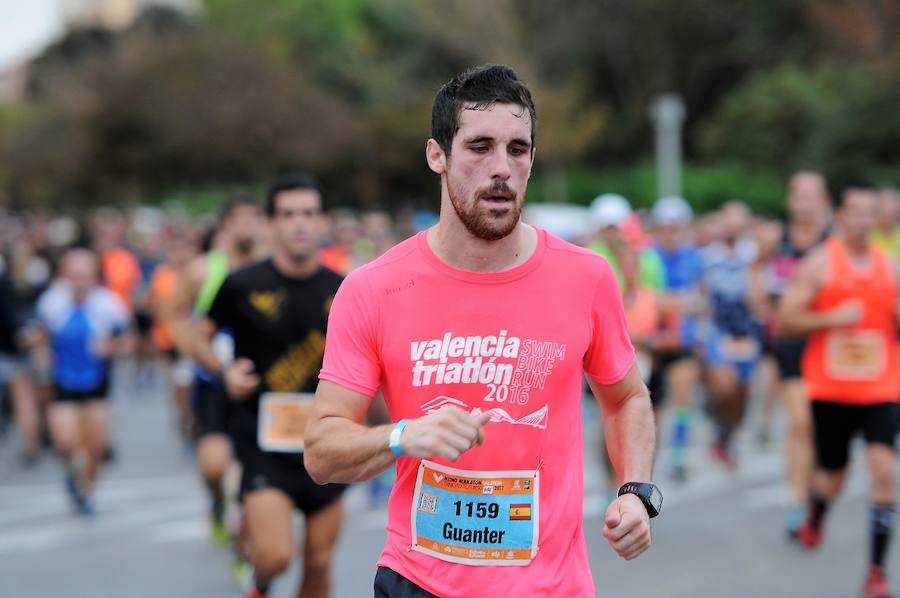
(317, 558)
(881, 464)
(271, 559)
(800, 425)
(213, 458)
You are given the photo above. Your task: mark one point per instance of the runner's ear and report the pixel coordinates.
(435, 156)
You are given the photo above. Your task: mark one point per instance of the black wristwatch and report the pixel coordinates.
(648, 493)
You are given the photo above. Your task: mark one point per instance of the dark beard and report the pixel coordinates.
(479, 223)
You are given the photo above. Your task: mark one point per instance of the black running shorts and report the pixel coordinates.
(835, 424)
(657, 382)
(286, 473)
(100, 393)
(211, 406)
(390, 584)
(788, 350)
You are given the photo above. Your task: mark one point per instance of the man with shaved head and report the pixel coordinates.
(83, 320)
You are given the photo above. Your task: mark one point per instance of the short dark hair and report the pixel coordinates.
(290, 182)
(853, 184)
(484, 86)
(236, 200)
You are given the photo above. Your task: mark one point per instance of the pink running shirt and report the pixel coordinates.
(516, 342)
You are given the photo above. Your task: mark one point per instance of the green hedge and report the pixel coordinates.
(197, 202)
(705, 185)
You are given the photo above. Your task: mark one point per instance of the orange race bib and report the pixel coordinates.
(855, 354)
(282, 421)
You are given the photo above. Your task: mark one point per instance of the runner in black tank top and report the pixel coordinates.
(277, 311)
(808, 225)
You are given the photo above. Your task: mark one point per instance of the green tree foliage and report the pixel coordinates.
(707, 185)
(838, 119)
(175, 107)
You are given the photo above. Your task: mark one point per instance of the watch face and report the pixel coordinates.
(656, 497)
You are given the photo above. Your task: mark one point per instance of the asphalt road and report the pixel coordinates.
(720, 534)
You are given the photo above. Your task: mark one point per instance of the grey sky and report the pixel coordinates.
(26, 26)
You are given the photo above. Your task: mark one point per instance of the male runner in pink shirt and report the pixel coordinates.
(477, 332)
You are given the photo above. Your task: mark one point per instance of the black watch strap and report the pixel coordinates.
(647, 492)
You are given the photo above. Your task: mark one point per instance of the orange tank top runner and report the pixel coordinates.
(856, 364)
(163, 286)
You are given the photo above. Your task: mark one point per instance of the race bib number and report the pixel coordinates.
(855, 354)
(282, 421)
(475, 517)
(740, 348)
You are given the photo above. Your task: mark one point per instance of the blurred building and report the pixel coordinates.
(113, 14)
(73, 14)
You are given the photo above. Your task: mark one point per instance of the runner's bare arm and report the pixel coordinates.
(339, 448)
(182, 304)
(795, 316)
(198, 343)
(630, 438)
(757, 297)
(628, 425)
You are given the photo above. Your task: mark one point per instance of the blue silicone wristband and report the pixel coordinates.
(395, 438)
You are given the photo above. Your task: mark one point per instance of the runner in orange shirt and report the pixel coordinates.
(119, 267)
(164, 308)
(845, 297)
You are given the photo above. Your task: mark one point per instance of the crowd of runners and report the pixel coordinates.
(444, 342)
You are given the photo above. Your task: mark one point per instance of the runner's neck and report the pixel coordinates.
(454, 245)
(295, 268)
(857, 250)
(804, 235)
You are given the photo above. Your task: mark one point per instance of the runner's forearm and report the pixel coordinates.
(803, 322)
(202, 352)
(196, 341)
(631, 437)
(338, 449)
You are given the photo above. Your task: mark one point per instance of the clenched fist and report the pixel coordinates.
(627, 526)
(447, 433)
(240, 379)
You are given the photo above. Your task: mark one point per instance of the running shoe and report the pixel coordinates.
(218, 533)
(679, 474)
(876, 584)
(808, 537)
(242, 572)
(71, 486)
(722, 454)
(794, 519)
(86, 507)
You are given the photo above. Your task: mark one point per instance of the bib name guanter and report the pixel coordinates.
(475, 536)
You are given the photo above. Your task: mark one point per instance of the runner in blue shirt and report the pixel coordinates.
(83, 321)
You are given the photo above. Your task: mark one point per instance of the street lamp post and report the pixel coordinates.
(667, 113)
